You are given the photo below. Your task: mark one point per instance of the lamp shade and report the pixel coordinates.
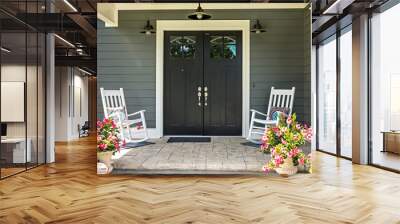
(199, 14)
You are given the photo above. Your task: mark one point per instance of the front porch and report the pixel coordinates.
(202, 78)
(223, 155)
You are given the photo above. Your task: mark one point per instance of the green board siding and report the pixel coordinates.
(126, 59)
(280, 57)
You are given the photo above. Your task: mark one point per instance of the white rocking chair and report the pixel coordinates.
(279, 98)
(131, 130)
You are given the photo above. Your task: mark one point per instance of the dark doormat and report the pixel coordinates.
(189, 139)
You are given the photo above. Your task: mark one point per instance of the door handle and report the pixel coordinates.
(205, 95)
(199, 96)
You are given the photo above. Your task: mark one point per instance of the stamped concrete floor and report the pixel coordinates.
(223, 155)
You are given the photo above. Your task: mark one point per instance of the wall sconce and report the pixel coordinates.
(148, 29)
(257, 28)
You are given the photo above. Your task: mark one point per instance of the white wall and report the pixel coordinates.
(62, 82)
(71, 87)
(79, 117)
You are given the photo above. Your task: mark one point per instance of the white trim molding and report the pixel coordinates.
(108, 12)
(202, 25)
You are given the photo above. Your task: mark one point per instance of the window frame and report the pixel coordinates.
(338, 34)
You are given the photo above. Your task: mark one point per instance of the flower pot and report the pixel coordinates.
(105, 157)
(103, 169)
(287, 168)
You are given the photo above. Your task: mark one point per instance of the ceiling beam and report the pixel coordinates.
(81, 61)
(86, 27)
(337, 7)
(320, 22)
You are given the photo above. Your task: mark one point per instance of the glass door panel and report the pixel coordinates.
(22, 61)
(13, 91)
(346, 93)
(31, 98)
(385, 89)
(41, 79)
(327, 96)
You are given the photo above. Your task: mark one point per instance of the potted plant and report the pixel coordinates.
(108, 141)
(283, 142)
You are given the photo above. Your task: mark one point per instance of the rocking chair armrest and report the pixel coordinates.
(136, 113)
(258, 112)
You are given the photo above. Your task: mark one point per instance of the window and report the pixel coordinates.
(346, 92)
(334, 106)
(182, 46)
(327, 95)
(22, 65)
(385, 89)
(223, 47)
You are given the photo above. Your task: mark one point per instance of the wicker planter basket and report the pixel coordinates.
(287, 168)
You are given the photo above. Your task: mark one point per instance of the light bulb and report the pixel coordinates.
(148, 32)
(258, 31)
(199, 16)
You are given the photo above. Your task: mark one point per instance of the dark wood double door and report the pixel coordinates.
(203, 83)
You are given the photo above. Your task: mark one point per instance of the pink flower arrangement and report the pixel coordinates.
(107, 136)
(283, 142)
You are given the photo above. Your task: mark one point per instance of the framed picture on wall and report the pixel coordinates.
(12, 101)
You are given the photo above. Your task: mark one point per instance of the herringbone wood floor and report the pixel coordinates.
(71, 192)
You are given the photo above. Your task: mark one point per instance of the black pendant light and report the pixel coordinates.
(199, 14)
(148, 29)
(257, 28)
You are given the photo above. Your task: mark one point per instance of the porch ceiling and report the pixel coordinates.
(108, 12)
